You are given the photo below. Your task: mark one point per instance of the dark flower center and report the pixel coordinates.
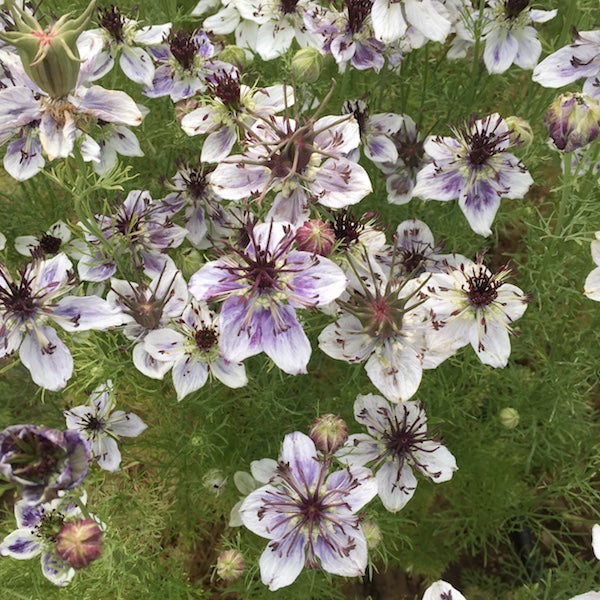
(112, 20)
(288, 6)
(413, 261)
(49, 525)
(263, 271)
(93, 424)
(482, 289)
(205, 338)
(35, 457)
(294, 158)
(226, 86)
(358, 11)
(195, 183)
(347, 228)
(483, 146)
(513, 8)
(411, 153)
(50, 244)
(17, 298)
(360, 111)
(184, 47)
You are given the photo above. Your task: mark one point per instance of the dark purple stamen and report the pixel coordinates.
(112, 20)
(184, 47)
(288, 6)
(205, 338)
(50, 244)
(482, 288)
(226, 87)
(513, 8)
(347, 228)
(358, 11)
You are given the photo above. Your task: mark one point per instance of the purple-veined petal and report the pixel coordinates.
(287, 347)
(147, 365)
(480, 205)
(137, 65)
(340, 183)
(344, 552)
(530, 48)
(189, 375)
(47, 358)
(501, 48)
(434, 183)
(282, 561)
(380, 148)
(22, 544)
(218, 144)
(108, 455)
(567, 65)
(81, 313)
(23, 158)
(126, 424)
(299, 451)
(213, 279)
(18, 107)
(355, 496)
(57, 137)
(56, 570)
(111, 106)
(234, 180)
(232, 374)
(237, 340)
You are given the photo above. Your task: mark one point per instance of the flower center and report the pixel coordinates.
(226, 87)
(50, 244)
(93, 424)
(205, 338)
(112, 20)
(358, 11)
(263, 271)
(34, 457)
(184, 47)
(195, 183)
(360, 111)
(17, 299)
(483, 145)
(288, 6)
(413, 261)
(49, 525)
(482, 289)
(294, 158)
(513, 8)
(347, 228)
(411, 153)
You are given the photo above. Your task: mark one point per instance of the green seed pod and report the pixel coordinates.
(307, 64)
(50, 55)
(509, 417)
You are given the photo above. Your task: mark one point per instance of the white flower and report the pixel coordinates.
(102, 425)
(442, 590)
(592, 283)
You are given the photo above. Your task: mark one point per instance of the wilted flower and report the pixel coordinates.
(573, 121)
(101, 425)
(38, 528)
(79, 542)
(308, 513)
(475, 167)
(398, 440)
(329, 433)
(214, 481)
(230, 565)
(43, 460)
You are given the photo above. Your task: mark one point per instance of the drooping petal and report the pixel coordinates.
(111, 106)
(47, 358)
(109, 456)
(57, 137)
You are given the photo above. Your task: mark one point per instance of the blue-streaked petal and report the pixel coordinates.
(22, 544)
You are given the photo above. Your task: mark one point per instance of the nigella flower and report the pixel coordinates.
(146, 307)
(347, 35)
(592, 282)
(41, 122)
(119, 35)
(391, 19)
(101, 425)
(40, 294)
(382, 325)
(397, 442)
(477, 307)
(37, 533)
(231, 109)
(262, 286)
(139, 229)
(579, 59)
(509, 35)
(288, 158)
(376, 131)
(185, 62)
(191, 344)
(43, 460)
(401, 174)
(442, 590)
(309, 514)
(56, 239)
(475, 167)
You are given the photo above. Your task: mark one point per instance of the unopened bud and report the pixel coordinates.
(329, 433)
(79, 542)
(573, 121)
(509, 417)
(315, 236)
(520, 132)
(49, 56)
(307, 64)
(215, 481)
(234, 56)
(372, 534)
(230, 565)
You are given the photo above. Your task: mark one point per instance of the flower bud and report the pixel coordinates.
(234, 56)
(509, 417)
(307, 64)
(315, 236)
(520, 132)
(49, 56)
(329, 433)
(573, 121)
(79, 542)
(214, 481)
(230, 565)
(372, 534)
